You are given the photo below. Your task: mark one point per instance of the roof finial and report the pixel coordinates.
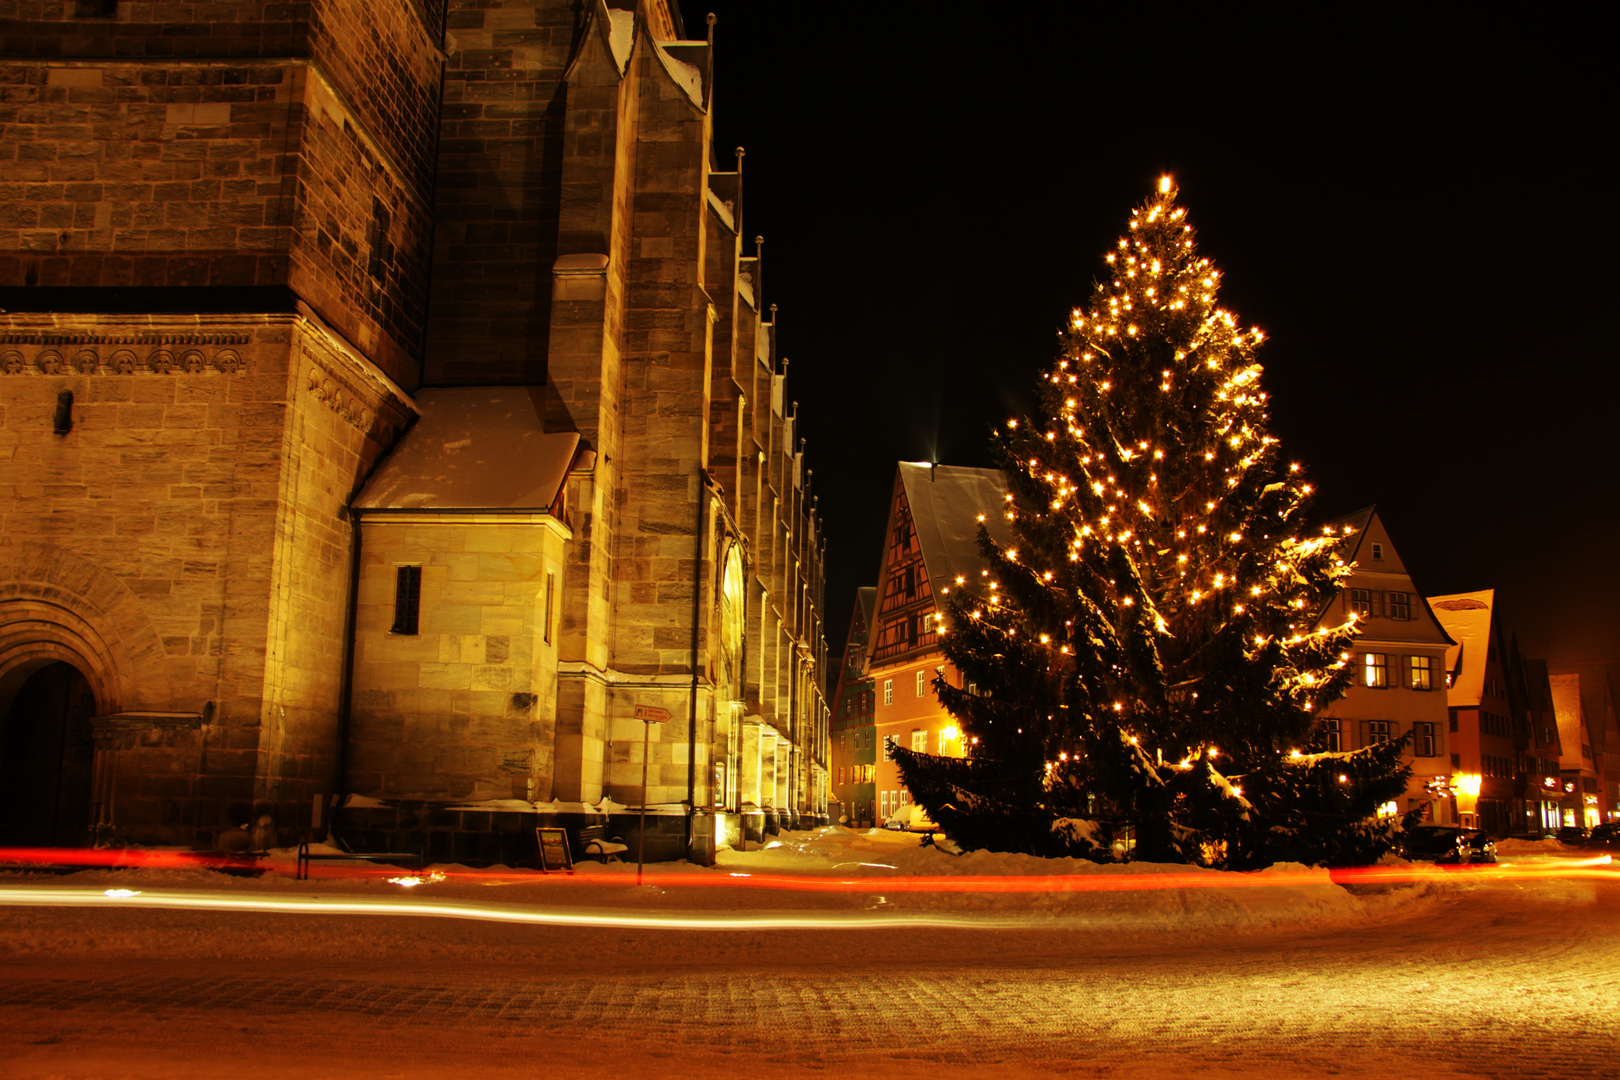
(708, 65)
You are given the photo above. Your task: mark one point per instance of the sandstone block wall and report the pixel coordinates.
(163, 522)
(284, 145)
(498, 186)
(466, 708)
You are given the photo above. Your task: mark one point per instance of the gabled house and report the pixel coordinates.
(1544, 786)
(1491, 783)
(1600, 685)
(1584, 701)
(1399, 658)
(931, 544)
(853, 753)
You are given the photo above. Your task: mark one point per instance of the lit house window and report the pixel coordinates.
(1420, 672)
(1375, 670)
(922, 683)
(407, 599)
(888, 691)
(919, 740)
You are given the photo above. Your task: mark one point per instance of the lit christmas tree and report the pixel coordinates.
(1153, 650)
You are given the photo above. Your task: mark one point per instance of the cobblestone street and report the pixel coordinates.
(1495, 983)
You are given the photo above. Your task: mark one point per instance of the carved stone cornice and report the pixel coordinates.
(160, 354)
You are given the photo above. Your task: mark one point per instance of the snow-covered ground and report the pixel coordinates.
(823, 880)
(877, 958)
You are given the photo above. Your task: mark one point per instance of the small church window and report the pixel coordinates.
(551, 581)
(407, 599)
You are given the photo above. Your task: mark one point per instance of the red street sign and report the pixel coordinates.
(652, 714)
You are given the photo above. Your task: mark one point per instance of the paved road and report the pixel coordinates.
(1500, 982)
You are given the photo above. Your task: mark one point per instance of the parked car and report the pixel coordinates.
(1446, 844)
(1431, 843)
(1572, 834)
(1606, 835)
(1478, 847)
(910, 818)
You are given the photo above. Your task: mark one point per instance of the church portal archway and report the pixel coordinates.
(46, 756)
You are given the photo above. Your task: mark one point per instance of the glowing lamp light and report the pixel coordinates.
(1468, 783)
(1164, 185)
(951, 733)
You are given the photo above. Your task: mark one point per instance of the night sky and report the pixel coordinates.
(1416, 212)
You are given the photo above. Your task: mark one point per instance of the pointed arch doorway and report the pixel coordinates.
(46, 757)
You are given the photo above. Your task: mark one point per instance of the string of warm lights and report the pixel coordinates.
(1164, 596)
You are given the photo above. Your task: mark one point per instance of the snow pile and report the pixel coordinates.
(1128, 894)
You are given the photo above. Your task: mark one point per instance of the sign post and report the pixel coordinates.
(648, 715)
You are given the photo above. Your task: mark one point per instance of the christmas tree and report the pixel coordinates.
(1148, 658)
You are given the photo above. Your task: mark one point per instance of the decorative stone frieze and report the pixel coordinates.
(340, 397)
(208, 359)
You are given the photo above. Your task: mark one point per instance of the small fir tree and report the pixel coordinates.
(1152, 650)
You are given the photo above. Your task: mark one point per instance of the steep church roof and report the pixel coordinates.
(474, 448)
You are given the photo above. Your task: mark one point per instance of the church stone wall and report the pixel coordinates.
(466, 708)
(501, 129)
(177, 481)
(290, 145)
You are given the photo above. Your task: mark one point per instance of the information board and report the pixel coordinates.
(553, 844)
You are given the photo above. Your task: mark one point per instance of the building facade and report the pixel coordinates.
(853, 745)
(1399, 658)
(1541, 810)
(489, 245)
(1583, 701)
(930, 546)
(1598, 686)
(1489, 733)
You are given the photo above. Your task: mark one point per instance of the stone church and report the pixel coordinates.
(392, 434)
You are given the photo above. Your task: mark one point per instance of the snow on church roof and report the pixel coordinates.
(946, 501)
(475, 448)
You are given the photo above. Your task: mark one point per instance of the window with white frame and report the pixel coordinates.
(1375, 670)
(1378, 731)
(888, 691)
(922, 683)
(919, 740)
(1399, 605)
(1420, 672)
(1378, 551)
(1329, 736)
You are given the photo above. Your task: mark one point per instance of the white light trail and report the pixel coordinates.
(185, 901)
